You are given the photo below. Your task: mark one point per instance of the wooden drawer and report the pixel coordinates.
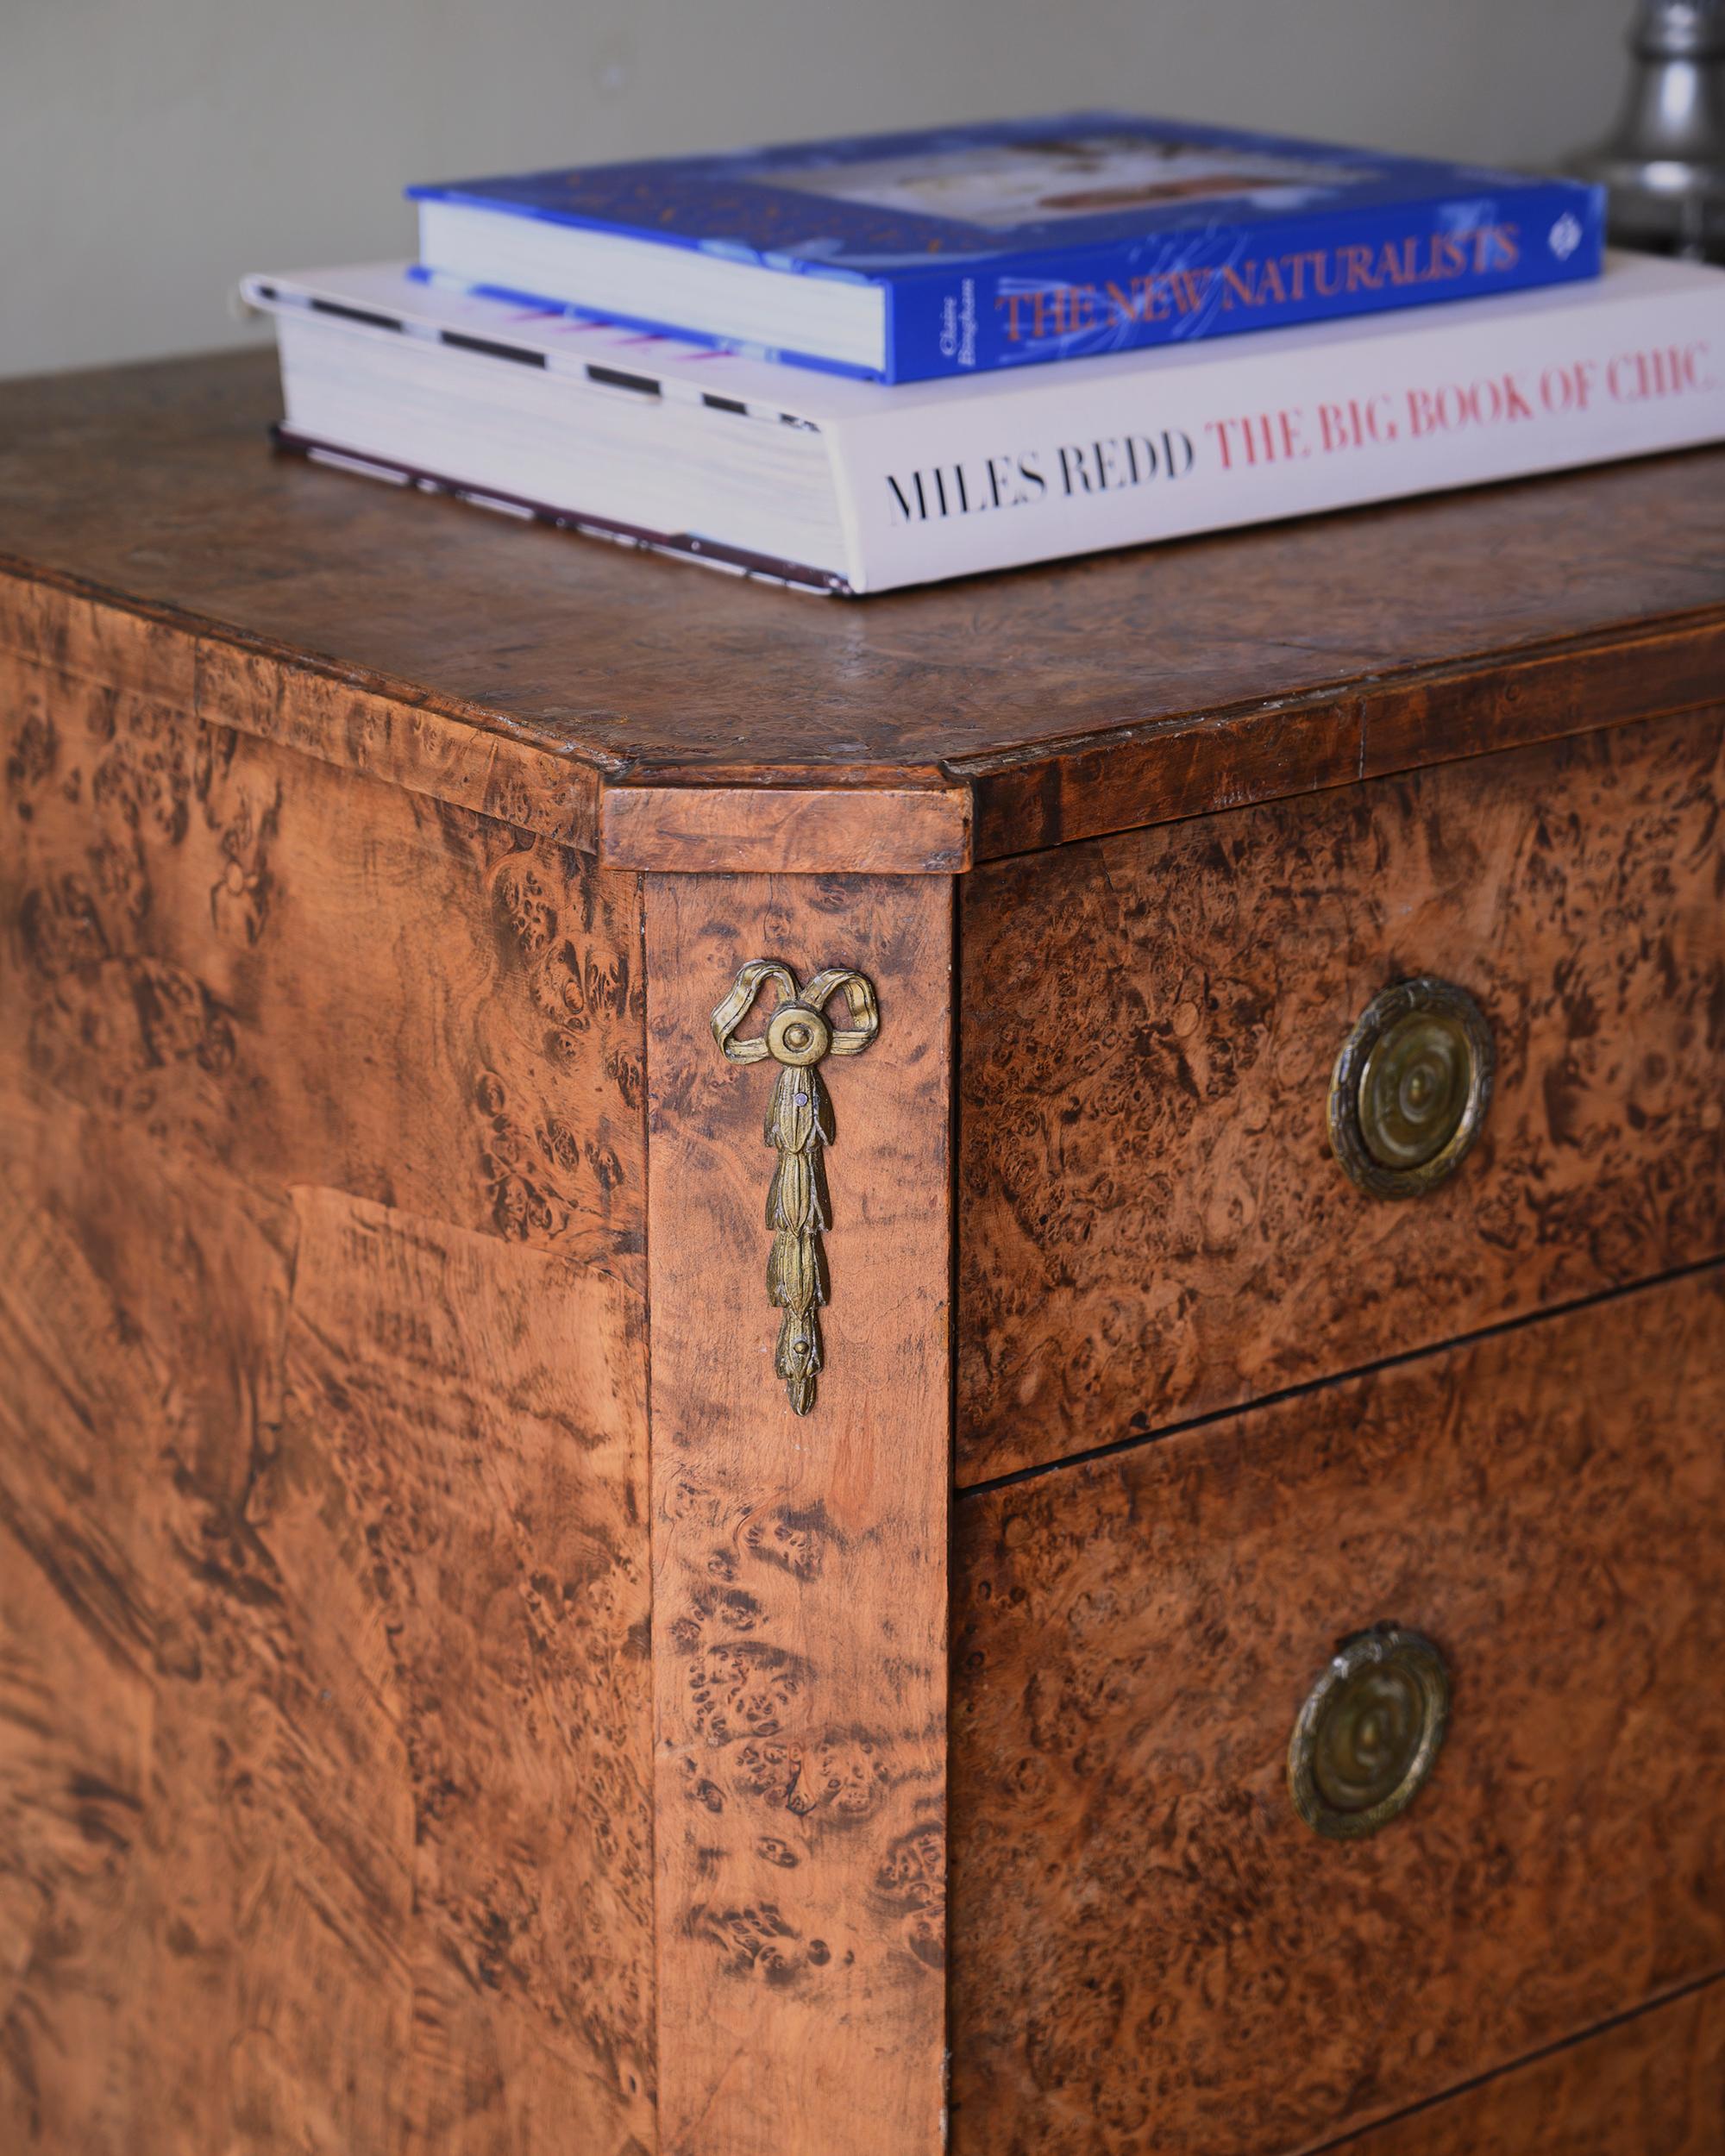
(1153, 1224)
(1150, 1949)
(1654, 2085)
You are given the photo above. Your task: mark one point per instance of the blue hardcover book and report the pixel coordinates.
(900, 257)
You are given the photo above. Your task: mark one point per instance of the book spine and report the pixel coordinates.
(1016, 310)
(1081, 459)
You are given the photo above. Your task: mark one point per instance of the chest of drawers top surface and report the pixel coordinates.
(639, 709)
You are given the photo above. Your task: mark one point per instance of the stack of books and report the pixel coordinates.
(863, 364)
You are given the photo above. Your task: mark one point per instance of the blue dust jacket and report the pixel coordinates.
(1053, 239)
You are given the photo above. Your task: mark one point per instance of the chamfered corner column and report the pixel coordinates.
(800, 1513)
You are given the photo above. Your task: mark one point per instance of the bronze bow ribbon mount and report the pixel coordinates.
(798, 1124)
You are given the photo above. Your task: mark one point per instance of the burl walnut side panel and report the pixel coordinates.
(309, 977)
(1149, 1948)
(324, 1695)
(1153, 1226)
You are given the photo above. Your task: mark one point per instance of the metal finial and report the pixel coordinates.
(1664, 163)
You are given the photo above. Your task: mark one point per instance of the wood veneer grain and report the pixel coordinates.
(323, 1748)
(313, 978)
(1154, 1226)
(395, 734)
(858, 831)
(325, 1744)
(799, 1562)
(1654, 2085)
(1149, 1948)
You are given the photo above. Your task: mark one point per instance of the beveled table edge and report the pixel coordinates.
(877, 819)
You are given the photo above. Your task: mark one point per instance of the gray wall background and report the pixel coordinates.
(152, 150)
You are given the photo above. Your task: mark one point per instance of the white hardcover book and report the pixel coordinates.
(852, 486)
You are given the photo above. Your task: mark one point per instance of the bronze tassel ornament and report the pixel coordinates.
(799, 1127)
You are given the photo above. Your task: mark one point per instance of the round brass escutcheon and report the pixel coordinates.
(798, 1036)
(1411, 1087)
(1370, 1734)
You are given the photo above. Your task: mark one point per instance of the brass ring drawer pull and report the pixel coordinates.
(1370, 1734)
(1411, 1087)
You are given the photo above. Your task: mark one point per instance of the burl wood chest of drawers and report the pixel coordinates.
(1234, 1447)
